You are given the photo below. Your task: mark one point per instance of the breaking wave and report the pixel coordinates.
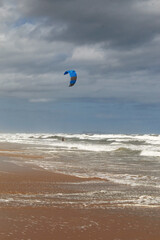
(145, 145)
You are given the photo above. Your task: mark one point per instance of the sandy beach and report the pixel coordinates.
(24, 220)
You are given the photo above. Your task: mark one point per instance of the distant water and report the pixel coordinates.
(129, 163)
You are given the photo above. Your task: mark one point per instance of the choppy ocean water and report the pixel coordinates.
(125, 168)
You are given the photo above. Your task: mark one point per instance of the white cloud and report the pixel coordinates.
(33, 59)
(88, 53)
(36, 100)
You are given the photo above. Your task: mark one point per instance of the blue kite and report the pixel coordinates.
(73, 76)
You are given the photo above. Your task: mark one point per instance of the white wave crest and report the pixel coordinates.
(150, 153)
(148, 145)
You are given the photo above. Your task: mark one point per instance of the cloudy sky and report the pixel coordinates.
(114, 45)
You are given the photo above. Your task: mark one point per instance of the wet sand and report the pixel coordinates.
(20, 222)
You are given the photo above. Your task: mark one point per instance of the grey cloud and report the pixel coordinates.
(120, 23)
(114, 45)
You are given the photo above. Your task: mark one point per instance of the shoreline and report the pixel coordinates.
(21, 184)
(56, 223)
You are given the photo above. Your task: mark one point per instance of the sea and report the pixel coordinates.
(119, 170)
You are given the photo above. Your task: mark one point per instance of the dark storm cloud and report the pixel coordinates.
(121, 23)
(114, 46)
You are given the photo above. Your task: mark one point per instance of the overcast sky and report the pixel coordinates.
(114, 45)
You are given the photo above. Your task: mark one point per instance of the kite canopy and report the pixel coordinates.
(73, 76)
